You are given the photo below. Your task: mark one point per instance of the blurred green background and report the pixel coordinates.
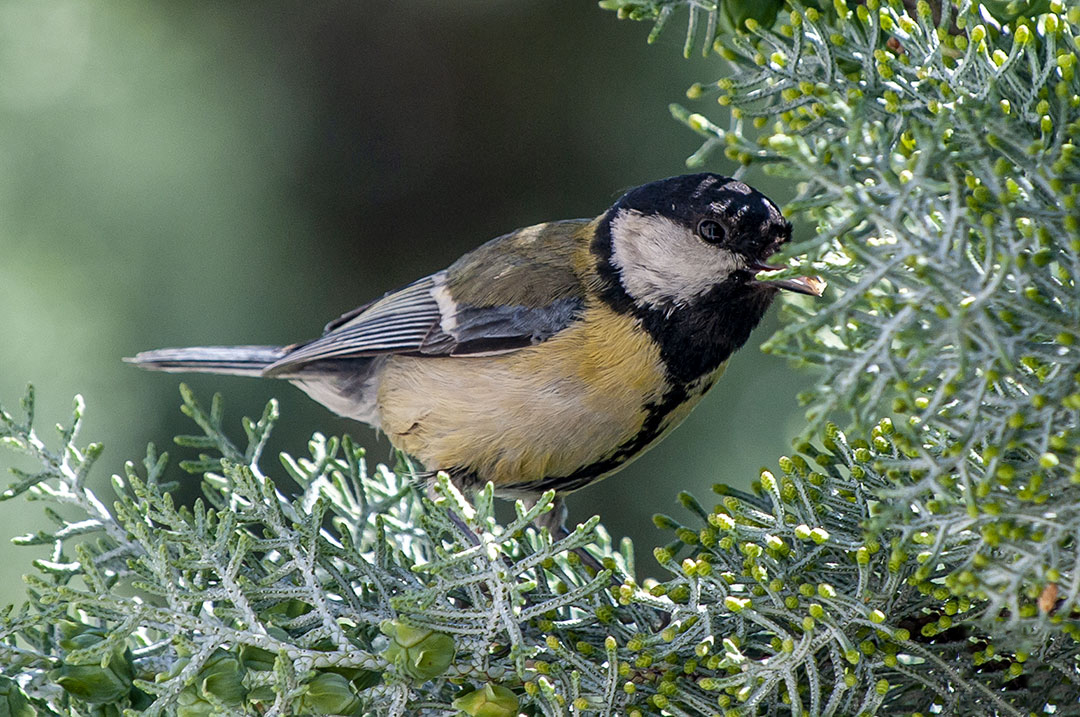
(176, 173)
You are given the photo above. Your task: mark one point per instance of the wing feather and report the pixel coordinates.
(398, 322)
(424, 318)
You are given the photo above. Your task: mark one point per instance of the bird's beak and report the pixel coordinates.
(809, 285)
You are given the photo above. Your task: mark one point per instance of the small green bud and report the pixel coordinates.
(489, 701)
(219, 682)
(419, 652)
(684, 534)
(698, 122)
(222, 676)
(665, 522)
(735, 604)
(781, 143)
(775, 544)
(722, 521)
(330, 694)
(91, 682)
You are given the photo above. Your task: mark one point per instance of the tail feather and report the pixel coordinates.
(234, 360)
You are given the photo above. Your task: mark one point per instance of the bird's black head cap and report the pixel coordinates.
(752, 224)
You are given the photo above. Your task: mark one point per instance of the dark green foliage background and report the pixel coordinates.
(175, 173)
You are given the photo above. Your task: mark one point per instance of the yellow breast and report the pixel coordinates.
(545, 410)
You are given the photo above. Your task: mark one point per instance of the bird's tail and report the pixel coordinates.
(235, 360)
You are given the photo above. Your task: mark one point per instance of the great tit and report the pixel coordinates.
(552, 356)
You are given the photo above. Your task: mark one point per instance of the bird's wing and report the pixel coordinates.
(512, 292)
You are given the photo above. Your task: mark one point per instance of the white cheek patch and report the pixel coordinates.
(660, 261)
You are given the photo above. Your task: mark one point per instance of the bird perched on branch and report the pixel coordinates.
(554, 355)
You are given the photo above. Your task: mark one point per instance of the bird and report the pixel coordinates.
(552, 356)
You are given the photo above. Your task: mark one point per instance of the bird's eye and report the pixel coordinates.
(711, 231)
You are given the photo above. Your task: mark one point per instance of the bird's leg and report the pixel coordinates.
(454, 517)
(555, 522)
(463, 483)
